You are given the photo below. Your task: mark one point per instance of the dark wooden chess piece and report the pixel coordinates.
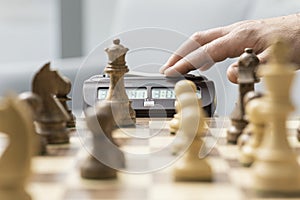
(51, 122)
(105, 157)
(116, 69)
(35, 104)
(63, 98)
(247, 67)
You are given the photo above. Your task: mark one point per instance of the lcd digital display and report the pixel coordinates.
(167, 93)
(132, 93)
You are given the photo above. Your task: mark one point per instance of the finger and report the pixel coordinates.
(264, 56)
(215, 51)
(232, 72)
(225, 47)
(194, 42)
(192, 61)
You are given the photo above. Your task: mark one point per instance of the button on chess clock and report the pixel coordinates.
(153, 92)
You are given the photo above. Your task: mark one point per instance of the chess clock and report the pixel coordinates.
(151, 96)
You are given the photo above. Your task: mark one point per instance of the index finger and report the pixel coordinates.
(197, 40)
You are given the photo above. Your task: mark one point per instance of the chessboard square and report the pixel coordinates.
(159, 124)
(106, 194)
(218, 165)
(194, 191)
(50, 165)
(159, 143)
(140, 150)
(46, 191)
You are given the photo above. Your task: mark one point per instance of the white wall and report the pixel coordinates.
(28, 30)
(107, 18)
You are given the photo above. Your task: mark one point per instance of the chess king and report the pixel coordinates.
(116, 69)
(276, 168)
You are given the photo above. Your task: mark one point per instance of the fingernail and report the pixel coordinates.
(162, 69)
(171, 72)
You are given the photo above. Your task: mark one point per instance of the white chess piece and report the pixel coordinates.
(181, 140)
(15, 121)
(254, 111)
(174, 123)
(190, 167)
(276, 168)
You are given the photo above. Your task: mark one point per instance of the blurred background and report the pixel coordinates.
(33, 32)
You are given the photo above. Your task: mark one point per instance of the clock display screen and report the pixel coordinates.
(132, 93)
(167, 93)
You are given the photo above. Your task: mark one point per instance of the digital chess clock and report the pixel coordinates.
(151, 96)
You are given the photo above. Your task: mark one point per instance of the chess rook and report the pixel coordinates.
(247, 66)
(276, 168)
(116, 69)
(52, 119)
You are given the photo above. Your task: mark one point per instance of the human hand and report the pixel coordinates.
(204, 48)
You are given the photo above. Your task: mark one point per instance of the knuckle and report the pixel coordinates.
(195, 36)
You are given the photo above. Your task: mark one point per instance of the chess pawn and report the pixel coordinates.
(190, 167)
(180, 140)
(35, 104)
(247, 67)
(276, 168)
(174, 123)
(247, 132)
(105, 156)
(254, 112)
(116, 69)
(63, 98)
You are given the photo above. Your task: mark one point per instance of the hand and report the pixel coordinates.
(204, 48)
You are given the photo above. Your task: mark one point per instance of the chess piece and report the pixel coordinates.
(180, 140)
(276, 168)
(34, 102)
(105, 157)
(247, 132)
(190, 167)
(174, 123)
(15, 121)
(247, 66)
(116, 69)
(254, 108)
(51, 122)
(298, 133)
(62, 93)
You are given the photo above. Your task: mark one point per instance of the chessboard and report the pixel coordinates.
(56, 176)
